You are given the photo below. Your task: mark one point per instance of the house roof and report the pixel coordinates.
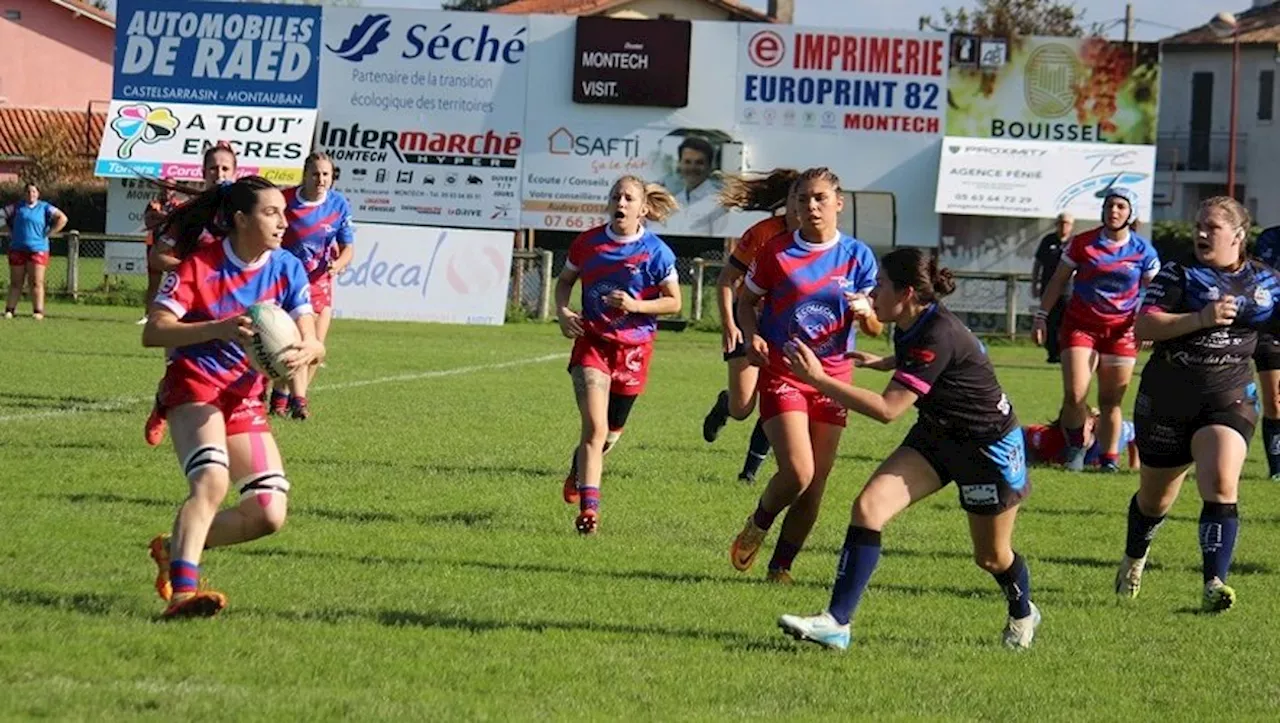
(593, 7)
(18, 125)
(83, 8)
(1257, 25)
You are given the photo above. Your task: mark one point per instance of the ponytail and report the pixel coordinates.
(768, 193)
(212, 211)
(918, 269)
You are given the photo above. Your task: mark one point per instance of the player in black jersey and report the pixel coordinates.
(1266, 359)
(1197, 402)
(966, 432)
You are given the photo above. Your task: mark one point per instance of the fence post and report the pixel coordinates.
(1011, 305)
(699, 267)
(73, 264)
(544, 305)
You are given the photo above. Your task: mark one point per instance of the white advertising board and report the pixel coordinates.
(574, 152)
(1039, 179)
(868, 104)
(423, 114)
(426, 273)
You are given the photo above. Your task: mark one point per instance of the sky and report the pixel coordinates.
(1156, 18)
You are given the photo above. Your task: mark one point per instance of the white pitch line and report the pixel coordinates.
(111, 405)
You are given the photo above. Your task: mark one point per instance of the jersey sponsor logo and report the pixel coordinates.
(169, 283)
(980, 495)
(594, 301)
(1003, 405)
(1212, 293)
(921, 355)
(1262, 297)
(816, 324)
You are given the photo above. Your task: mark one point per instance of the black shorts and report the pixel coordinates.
(1164, 423)
(1266, 357)
(990, 477)
(739, 351)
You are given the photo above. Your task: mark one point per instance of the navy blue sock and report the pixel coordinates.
(1271, 444)
(784, 553)
(1016, 584)
(757, 451)
(1219, 525)
(1142, 530)
(858, 559)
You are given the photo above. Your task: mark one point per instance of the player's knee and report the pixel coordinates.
(991, 561)
(269, 492)
(866, 513)
(800, 472)
(206, 469)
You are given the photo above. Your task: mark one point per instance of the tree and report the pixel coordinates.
(53, 158)
(1012, 18)
(482, 6)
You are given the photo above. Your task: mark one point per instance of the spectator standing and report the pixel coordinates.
(31, 222)
(1046, 262)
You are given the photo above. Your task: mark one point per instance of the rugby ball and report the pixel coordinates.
(274, 334)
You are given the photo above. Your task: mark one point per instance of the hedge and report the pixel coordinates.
(84, 203)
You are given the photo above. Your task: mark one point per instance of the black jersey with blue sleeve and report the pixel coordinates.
(1216, 358)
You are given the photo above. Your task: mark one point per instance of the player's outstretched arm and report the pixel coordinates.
(163, 329)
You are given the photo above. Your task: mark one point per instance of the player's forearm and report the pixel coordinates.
(659, 306)
(170, 333)
(1159, 325)
(747, 320)
(862, 401)
(883, 364)
(724, 293)
(871, 325)
(1052, 292)
(564, 289)
(345, 256)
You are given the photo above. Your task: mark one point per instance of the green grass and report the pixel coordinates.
(430, 571)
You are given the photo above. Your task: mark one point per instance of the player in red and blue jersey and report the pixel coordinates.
(320, 235)
(1111, 265)
(218, 167)
(210, 394)
(1266, 359)
(1047, 444)
(813, 284)
(30, 223)
(628, 278)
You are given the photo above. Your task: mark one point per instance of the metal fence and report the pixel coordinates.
(990, 303)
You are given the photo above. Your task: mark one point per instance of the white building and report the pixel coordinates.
(1195, 114)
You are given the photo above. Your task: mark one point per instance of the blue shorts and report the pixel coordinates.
(990, 477)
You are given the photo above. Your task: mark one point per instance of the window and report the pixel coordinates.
(1266, 94)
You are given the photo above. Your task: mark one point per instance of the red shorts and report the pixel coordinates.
(780, 394)
(627, 366)
(22, 258)
(1115, 345)
(241, 414)
(321, 293)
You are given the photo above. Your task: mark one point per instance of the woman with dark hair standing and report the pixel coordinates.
(31, 222)
(1197, 403)
(210, 394)
(966, 433)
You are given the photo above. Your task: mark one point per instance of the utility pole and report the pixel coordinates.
(1128, 21)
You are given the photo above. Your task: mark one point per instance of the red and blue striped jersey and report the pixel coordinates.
(1109, 278)
(606, 262)
(212, 284)
(317, 229)
(803, 288)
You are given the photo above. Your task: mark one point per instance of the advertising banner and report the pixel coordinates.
(163, 140)
(868, 104)
(575, 152)
(820, 79)
(631, 62)
(425, 273)
(216, 53)
(1035, 179)
(1072, 90)
(423, 114)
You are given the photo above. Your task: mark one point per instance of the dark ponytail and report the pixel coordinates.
(213, 210)
(918, 269)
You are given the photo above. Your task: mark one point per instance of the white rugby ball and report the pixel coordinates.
(274, 333)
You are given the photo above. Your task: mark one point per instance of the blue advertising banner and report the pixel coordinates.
(217, 53)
